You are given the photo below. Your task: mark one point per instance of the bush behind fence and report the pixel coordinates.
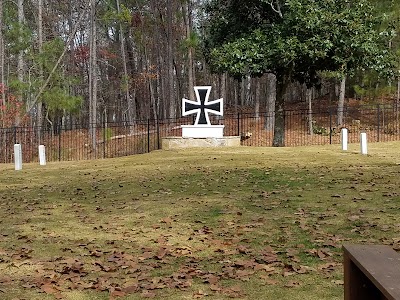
(73, 142)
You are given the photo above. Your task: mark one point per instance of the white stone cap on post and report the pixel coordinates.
(363, 143)
(42, 155)
(18, 157)
(344, 138)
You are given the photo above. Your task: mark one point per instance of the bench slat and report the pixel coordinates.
(381, 264)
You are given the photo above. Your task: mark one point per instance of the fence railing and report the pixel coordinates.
(73, 142)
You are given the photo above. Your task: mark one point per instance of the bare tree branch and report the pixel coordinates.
(277, 9)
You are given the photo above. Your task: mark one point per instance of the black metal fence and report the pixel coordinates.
(73, 142)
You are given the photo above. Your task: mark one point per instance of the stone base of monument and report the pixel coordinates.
(170, 143)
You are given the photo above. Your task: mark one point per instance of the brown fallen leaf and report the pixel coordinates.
(105, 268)
(199, 294)
(183, 251)
(161, 253)
(303, 269)
(264, 267)
(292, 252)
(49, 289)
(243, 250)
(166, 220)
(245, 263)
(146, 255)
(338, 282)
(162, 240)
(28, 285)
(211, 279)
(268, 256)
(215, 287)
(328, 266)
(115, 294)
(5, 279)
(96, 253)
(244, 274)
(233, 291)
(268, 280)
(353, 218)
(133, 288)
(292, 284)
(287, 273)
(148, 294)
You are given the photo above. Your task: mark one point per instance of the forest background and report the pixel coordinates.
(86, 62)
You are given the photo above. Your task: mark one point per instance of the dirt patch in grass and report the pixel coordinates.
(247, 223)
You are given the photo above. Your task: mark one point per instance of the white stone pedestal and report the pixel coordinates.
(202, 131)
(42, 155)
(344, 138)
(363, 143)
(18, 157)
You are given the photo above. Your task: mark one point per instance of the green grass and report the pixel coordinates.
(264, 223)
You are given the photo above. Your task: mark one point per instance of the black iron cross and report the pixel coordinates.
(202, 107)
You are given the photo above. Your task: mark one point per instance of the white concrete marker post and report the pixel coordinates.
(42, 155)
(344, 137)
(363, 137)
(18, 157)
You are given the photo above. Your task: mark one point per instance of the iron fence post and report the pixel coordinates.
(59, 144)
(148, 135)
(158, 133)
(330, 126)
(104, 137)
(15, 134)
(238, 124)
(378, 111)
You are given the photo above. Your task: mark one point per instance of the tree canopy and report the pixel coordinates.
(295, 40)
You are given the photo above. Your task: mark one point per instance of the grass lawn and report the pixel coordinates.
(246, 223)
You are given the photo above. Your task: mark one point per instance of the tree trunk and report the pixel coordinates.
(309, 93)
(223, 88)
(2, 77)
(170, 61)
(153, 100)
(131, 105)
(187, 10)
(279, 128)
(257, 96)
(236, 95)
(271, 99)
(248, 97)
(397, 105)
(93, 76)
(243, 86)
(340, 108)
(20, 61)
(39, 116)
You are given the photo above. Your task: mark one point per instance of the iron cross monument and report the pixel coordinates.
(202, 127)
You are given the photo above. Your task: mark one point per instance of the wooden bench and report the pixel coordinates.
(371, 272)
